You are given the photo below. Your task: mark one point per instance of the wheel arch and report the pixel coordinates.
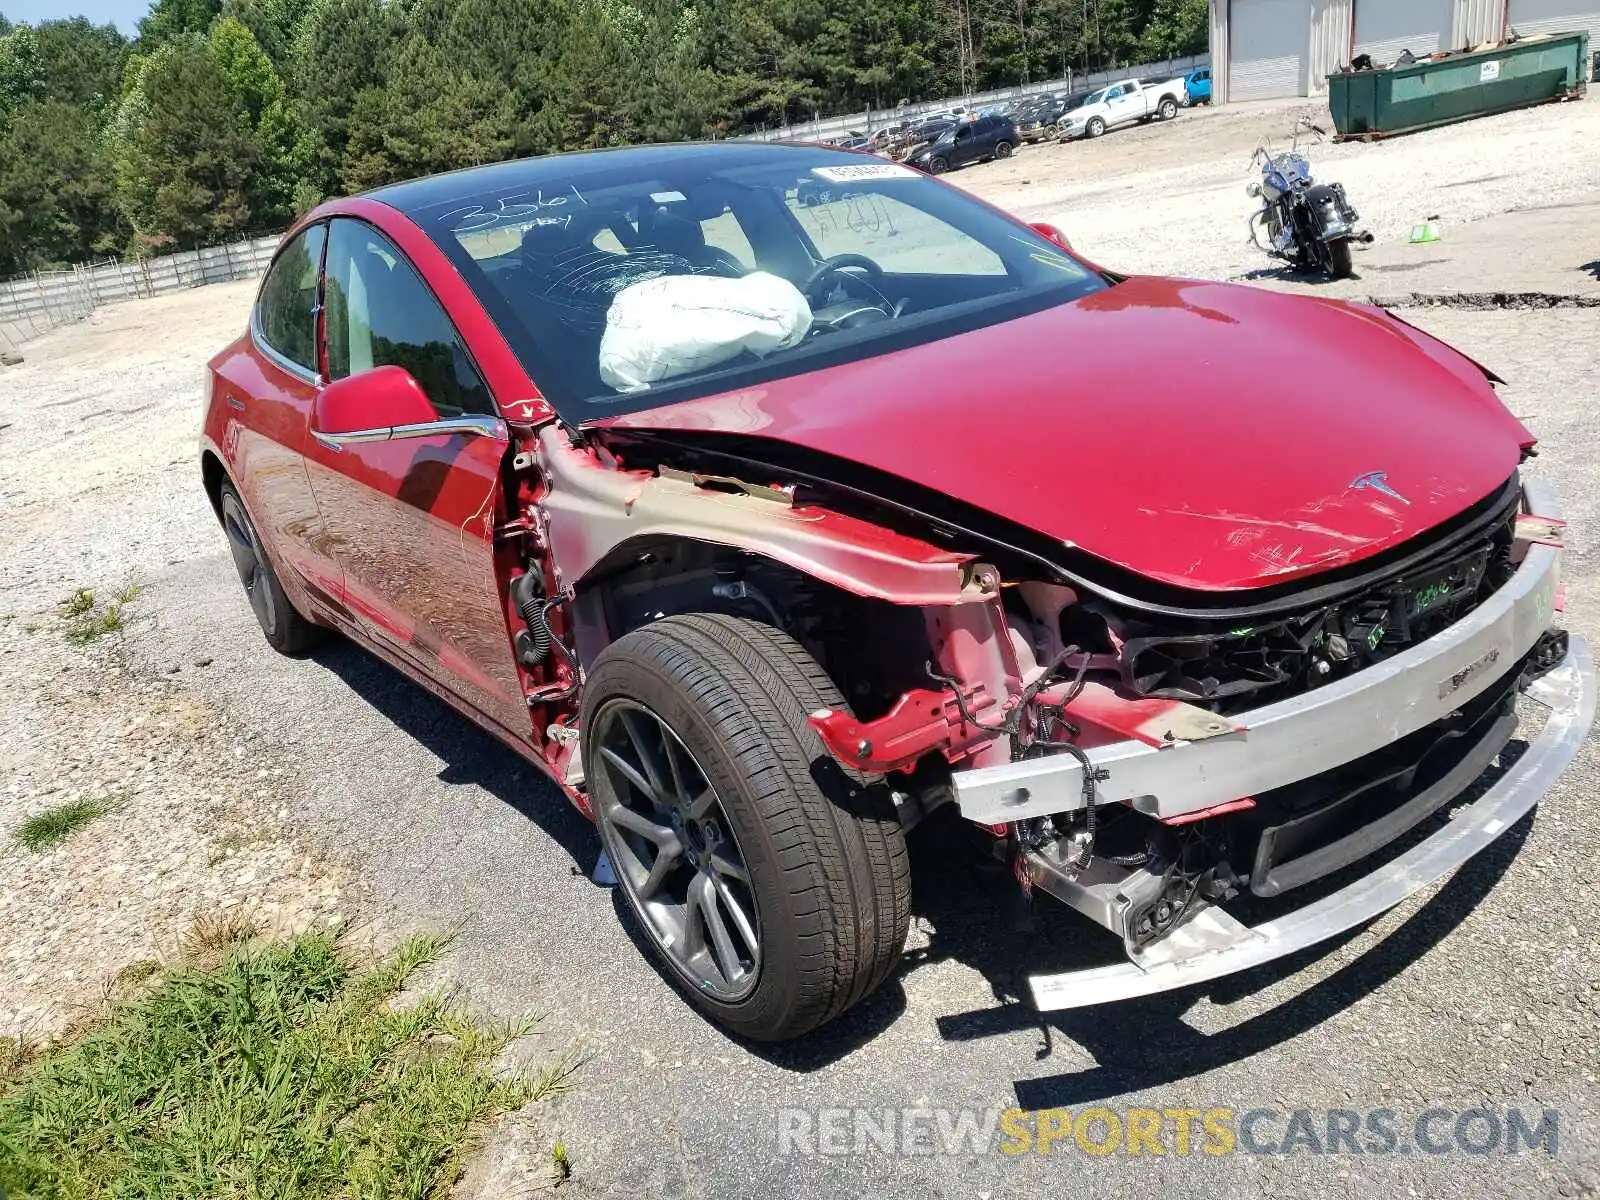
(212, 475)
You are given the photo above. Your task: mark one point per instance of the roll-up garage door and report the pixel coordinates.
(1269, 40)
(1386, 27)
(1528, 17)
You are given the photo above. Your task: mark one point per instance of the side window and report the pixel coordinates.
(286, 317)
(380, 313)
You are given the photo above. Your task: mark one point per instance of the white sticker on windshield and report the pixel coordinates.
(666, 197)
(857, 173)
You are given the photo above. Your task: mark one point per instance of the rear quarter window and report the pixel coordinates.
(286, 306)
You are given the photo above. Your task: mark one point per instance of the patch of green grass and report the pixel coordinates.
(279, 1072)
(87, 621)
(79, 604)
(55, 825)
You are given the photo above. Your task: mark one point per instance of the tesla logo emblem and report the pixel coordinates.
(1376, 481)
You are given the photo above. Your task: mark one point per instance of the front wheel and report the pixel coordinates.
(1340, 263)
(1095, 128)
(1002, 150)
(1168, 109)
(937, 166)
(772, 884)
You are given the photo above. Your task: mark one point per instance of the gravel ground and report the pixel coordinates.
(1170, 199)
(1481, 992)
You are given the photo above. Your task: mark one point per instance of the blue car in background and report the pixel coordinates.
(1197, 86)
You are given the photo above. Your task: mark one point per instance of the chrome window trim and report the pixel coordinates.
(468, 424)
(258, 339)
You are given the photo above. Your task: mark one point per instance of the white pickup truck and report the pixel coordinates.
(1124, 104)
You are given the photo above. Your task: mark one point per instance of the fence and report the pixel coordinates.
(865, 122)
(32, 304)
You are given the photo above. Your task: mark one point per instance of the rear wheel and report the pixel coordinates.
(1340, 263)
(286, 630)
(1002, 150)
(1168, 109)
(772, 884)
(1095, 127)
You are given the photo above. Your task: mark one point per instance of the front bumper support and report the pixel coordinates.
(1302, 736)
(1213, 944)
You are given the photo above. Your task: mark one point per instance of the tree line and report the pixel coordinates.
(226, 117)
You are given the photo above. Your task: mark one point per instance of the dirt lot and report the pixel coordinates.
(329, 785)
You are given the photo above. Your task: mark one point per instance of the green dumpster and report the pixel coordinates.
(1374, 104)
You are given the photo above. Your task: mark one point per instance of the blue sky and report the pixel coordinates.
(125, 14)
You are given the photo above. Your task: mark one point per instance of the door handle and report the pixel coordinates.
(235, 403)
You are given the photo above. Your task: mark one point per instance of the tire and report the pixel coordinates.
(1002, 150)
(823, 855)
(1167, 109)
(285, 629)
(1052, 132)
(1095, 127)
(937, 166)
(1340, 263)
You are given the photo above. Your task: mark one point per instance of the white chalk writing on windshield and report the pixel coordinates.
(535, 208)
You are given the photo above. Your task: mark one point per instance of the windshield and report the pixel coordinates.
(652, 276)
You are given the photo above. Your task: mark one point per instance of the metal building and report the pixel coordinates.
(1261, 49)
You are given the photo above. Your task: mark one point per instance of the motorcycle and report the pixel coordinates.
(1309, 225)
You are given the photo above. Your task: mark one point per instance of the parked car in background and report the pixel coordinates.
(970, 142)
(1043, 122)
(1197, 87)
(1126, 103)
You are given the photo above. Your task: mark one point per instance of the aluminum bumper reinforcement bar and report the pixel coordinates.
(1213, 944)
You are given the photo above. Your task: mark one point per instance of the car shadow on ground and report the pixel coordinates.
(471, 754)
(967, 907)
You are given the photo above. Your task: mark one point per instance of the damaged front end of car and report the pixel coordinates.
(1150, 757)
(1158, 766)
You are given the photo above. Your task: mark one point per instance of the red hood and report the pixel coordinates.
(1207, 435)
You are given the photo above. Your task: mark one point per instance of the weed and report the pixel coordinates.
(80, 603)
(53, 826)
(86, 621)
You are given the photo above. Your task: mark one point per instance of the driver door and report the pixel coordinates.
(412, 519)
(1117, 105)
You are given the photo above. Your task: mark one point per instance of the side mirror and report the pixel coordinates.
(367, 406)
(1051, 234)
(387, 404)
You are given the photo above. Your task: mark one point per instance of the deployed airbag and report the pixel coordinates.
(676, 325)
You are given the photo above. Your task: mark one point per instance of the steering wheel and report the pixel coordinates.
(830, 267)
